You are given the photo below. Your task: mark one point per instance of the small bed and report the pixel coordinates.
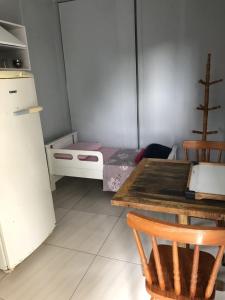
(68, 157)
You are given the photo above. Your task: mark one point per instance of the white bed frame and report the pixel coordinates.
(75, 167)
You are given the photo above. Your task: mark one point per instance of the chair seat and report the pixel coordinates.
(206, 262)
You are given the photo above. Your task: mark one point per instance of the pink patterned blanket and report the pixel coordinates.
(118, 163)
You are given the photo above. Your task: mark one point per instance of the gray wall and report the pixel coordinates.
(10, 11)
(99, 47)
(41, 21)
(42, 24)
(174, 39)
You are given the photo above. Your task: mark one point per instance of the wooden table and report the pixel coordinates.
(159, 185)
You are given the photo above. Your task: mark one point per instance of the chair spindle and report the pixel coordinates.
(176, 269)
(143, 257)
(214, 272)
(219, 156)
(197, 155)
(174, 279)
(186, 154)
(208, 155)
(194, 273)
(158, 264)
(203, 150)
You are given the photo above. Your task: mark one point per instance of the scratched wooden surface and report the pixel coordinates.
(159, 185)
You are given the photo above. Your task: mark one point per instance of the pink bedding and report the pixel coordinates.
(84, 146)
(118, 163)
(107, 152)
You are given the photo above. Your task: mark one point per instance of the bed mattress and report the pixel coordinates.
(118, 168)
(118, 163)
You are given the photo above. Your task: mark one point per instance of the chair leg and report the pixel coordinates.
(221, 223)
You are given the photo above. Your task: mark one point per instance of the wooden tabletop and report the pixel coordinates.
(159, 185)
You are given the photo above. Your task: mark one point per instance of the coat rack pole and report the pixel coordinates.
(206, 101)
(205, 107)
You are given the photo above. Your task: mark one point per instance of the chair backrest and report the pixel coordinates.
(203, 149)
(210, 236)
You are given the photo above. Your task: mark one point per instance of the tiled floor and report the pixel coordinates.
(90, 255)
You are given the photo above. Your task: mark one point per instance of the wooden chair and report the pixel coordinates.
(173, 272)
(203, 149)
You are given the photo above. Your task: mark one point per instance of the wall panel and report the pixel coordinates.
(174, 39)
(99, 49)
(43, 32)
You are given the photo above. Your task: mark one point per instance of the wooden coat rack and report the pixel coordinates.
(205, 108)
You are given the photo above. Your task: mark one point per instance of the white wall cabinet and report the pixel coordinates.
(13, 46)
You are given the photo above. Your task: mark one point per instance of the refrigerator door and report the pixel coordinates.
(26, 206)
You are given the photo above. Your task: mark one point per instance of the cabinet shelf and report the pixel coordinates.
(13, 45)
(14, 69)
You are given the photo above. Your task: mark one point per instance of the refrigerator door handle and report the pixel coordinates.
(29, 110)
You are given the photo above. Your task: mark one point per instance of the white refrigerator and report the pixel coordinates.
(26, 207)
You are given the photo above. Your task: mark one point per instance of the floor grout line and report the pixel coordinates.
(119, 260)
(94, 258)
(84, 195)
(94, 213)
(69, 209)
(117, 221)
(74, 250)
(93, 254)
(58, 222)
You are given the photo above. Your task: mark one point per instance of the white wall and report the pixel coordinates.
(43, 32)
(174, 39)
(99, 47)
(10, 11)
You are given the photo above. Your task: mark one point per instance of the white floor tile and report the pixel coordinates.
(108, 280)
(68, 200)
(60, 213)
(220, 295)
(70, 192)
(82, 231)
(57, 273)
(121, 244)
(99, 202)
(51, 273)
